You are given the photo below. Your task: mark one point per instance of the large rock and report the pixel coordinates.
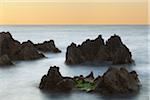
(96, 51)
(47, 46)
(113, 81)
(88, 51)
(22, 51)
(54, 81)
(118, 52)
(17, 51)
(8, 45)
(5, 60)
(117, 81)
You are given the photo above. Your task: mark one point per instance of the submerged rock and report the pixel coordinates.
(54, 81)
(118, 81)
(96, 51)
(47, 46)
(5, 60)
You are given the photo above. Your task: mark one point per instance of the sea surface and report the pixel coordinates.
(21, 81)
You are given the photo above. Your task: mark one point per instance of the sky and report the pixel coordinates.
(73, 12)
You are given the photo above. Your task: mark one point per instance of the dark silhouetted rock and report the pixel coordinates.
(54, 81)
(17, 51)
(117, 81)
(28, 52)
(47, 46)
(8, 46)
(96, 51)
(114, 80)
(25, 51)
(5, 60)
(89, 77)
(118, 52)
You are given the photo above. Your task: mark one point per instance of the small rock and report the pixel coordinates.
(47, 46)
(54, 81)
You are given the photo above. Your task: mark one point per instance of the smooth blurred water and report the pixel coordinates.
(20, 82)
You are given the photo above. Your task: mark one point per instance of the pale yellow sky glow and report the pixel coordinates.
(73, 12)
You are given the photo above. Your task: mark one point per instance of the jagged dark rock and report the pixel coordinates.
(23, 51)
(17, 51)
(96, 51)
(89, 77)
(54, 81)
(47, 46)
(118, 52)
(117, 81)
(8, 46)
(5, 60)
(28, 52)
(113, 81)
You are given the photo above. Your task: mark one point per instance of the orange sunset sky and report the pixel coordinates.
(73, 12)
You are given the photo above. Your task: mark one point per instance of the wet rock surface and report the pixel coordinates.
(96, 51)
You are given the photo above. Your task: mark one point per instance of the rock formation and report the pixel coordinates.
(117, 81)
(54, 81)
(8, 46)
(27, 51)
(14, 50)
(17, 51)
(47, 46)
(114, 81)
(96, 51)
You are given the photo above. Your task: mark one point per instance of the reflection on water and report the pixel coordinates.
(20, 82)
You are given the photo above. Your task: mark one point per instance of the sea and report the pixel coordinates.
(21, 81)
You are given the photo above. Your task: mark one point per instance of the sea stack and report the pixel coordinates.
(12, 50)
(97, 51)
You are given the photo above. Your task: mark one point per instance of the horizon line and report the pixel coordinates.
(64, 24)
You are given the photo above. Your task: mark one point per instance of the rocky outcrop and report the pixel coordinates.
(54, 81)
(17, 51)
(5, 60)
(96, 51)
(118, 52)
(113, 81)
(27, 51)
(117, 81)
(23, 51)
(8, 46)
(47, 46)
